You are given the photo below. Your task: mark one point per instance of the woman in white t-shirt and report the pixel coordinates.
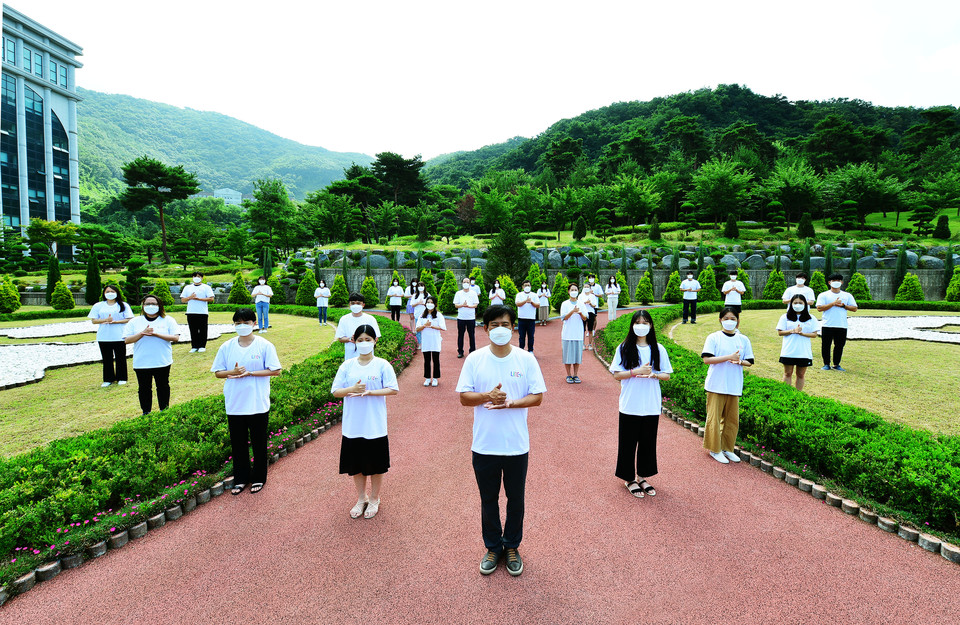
(261, 301)
(572, 315)
(497, 295)
(153, 334)
(395, 293)
(364, 383)
(727, 352)
(247, 363)
(408, 294)
(797, 327)
(322, 295)
(613, 295)
(543, 311)
(640, 363)
(418, 300)
(430, 325)
(109, 315)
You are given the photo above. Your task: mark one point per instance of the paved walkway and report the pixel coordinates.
(718, 544)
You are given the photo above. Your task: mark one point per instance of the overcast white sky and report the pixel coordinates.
(429, 77)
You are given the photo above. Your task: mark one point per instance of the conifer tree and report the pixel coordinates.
(948, 267)
(645, 289)
(744, 277)
(910, 290)
(560, 291)
(279, 293)
(708, 286)
(942, 231)
(161, 290)
(305, 290)
(238, 292)
(339, 294)
(775, 285)
(53, 277)
(655, 230)
(62, 298)
(579, 229)
(818, 282)
(731, 230)
(94, 287)
(805, 228)
(370, 292)
(448, 289)
(858, 288)
(901, 270)
(672, 293)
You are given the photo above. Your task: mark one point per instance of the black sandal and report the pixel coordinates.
(256, 488)
(237, 489)
(634, 489)
(650, 490)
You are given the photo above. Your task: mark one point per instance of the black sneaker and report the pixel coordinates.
(460, 355)
(514, 562)
(489, 563)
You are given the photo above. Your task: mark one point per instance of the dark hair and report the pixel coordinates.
(835, 276)
(244, 314)
(116, 289)
(803, 275)
(436, 307)
(727, 309)
(365, 329)
(572, 284)
(264, 278)
(804, 315)
(614, 278)
(321, 280)
(526, 282)
(356, 297)
(493, 288)
(197, 273)
(161, 313)
(629, 353)
(496, 311)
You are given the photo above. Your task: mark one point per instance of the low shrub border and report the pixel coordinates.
(76, 492)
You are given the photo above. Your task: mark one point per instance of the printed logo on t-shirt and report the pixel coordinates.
(516, 374)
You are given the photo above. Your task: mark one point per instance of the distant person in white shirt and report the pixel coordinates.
(733, 291)
(261, 301)
(395, 293)
(431, 325)
(466, 301)
(197, 297)
(322, 295)
(613, 297)
(800, 288)
(588, 303)
(527, 304)
(690, 287)
(501, 382)
(152, 334)
(727, 352)
(834, 304)
(543, 312)
(797, 327)
(349, 323)
(496, 295)
(409, 294)
(110, 315)
(247, 363)
(573, 314)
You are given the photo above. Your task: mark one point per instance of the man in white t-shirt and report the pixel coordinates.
(501, 382)
(800, 288)
(834, 304)
(466, 301)
(349, 323)
(527, 306)
(197, 296)
(690, 288)
(588, 303)
(732, 291)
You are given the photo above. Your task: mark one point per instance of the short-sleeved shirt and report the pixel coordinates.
(613, 290)
(588, 302)
(544, 295)
(251, 394)
(419, 303)
(835, 317)
(196, 307)
(596, 289)
(806, 291)
(641, 396)
(110, 332)
(498, 297)
(572, 329)
(528, 310)
(262, 293)
(152, 352)
(322, 294)
(347, 325)
(396, 295)
(466, 297)
(690, 288)
(795, 345)
(726, 378)
(501, 432)
(733, 297)
(431, 338)
(365, 417)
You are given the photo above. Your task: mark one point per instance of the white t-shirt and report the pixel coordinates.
(365, 417)
(347, 325)
(323, 296)
(641, 396)
(531, 303)
(596, 289)
(835, 317)
(419, 303)
(110, 332)
(588, 302)
(466, 297)
(196, 307)
(249, 395)
(726, 378)
(795, 345)
(544, 295)
(501, 432)
(612, 291)
(572, 329)
(690, 288)
(152, 352)
(476, 289)
(431, 337)
(806, 291)
(261, 293)
(395, 293)
(499, 295)
(733, 297)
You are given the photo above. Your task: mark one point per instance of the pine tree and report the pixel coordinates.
(161, 290)
(426, 279)
(853, 260)
(624, 298)
(9, 296)
(828, 261)
(901, 270)
(845, 216)
(645, 289)
(948, 268)
(306, 289)
(601, 222)
(731, 230)
(536, 276)
(369, 268)
(775, 285)
(279, 293)
(942, 231)
(910, 290)
(623, 260)
(742, 276)
(922, 219)
(675, 260)
(858, 288)
(579, 229)
(510, 290)
(655, 230)
(62, 298)
(560, 291)
(370, 292)
(708, 286)
(818, 282)
(805, 228)
(239, 293)
(267, 262)
(508, 255)
(672, 293)
(448, 289)
(339, 294)
(93, 279)
(53, 277)
(136, 278)
(776, 218)
(806, 258)
(476, 274)
(953, 288)
(700, 257)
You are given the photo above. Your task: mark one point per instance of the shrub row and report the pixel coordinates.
(911, 471)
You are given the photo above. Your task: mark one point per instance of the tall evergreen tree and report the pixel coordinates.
(806, 259)
(948, 268)
(53, 276)
(805, 228)
(93, 283)
(901, 270)
(508, 255)
(828, 261)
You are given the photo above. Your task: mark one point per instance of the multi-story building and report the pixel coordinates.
(38, 124)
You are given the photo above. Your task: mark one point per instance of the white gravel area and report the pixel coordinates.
(894, 328)
(67, 328)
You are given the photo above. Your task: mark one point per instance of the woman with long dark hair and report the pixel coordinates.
(727, 352)
(797, 327)
(430, 324)
(640, 363)
(153, 334)
(110, 314)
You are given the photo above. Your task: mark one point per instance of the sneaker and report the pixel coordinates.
(576, 379)
(489, 563)
(426, 382)
(202, 349)
(569, 379)
(434, 382)
(514, 562)
(194, 351)
(839, 368)
(825, 368)
(719, 457)
(105, 385)
(684, 323)
(732, 456)
(122, 382)
(694, 322)
(460, 355)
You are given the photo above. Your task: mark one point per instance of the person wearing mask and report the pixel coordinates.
(797, 327)
(801, 288)
(501, 383)
(613, 297)
(835, 304)
(409, 294)
(348, 325)
(572, 316)
(197, 297)
(727, 352)
(733, 290)
(466, 301)
(430, 325)
(588, 303)
(527, 304)
(395, 293)
(364, 382)
(246, 363)
(640, 364)
(261, 301)
(690, 287)
(110, 314)
(153, 334)
(497, 295)
(543, 311)
(418, 301)
(322, 295)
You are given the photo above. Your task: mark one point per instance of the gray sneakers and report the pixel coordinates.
(514, 562)
(489, 563)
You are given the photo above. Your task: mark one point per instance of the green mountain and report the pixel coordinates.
(221, 150)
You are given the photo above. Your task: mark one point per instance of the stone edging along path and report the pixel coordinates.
(50, 570)
(929, 542)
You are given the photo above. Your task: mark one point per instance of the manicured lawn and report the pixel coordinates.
(905, 381)
(69, 401)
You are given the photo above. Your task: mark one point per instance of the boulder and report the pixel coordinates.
(685, 264)
(785, 248)
(740, 256)
(736, 248)
(480, 262)
(755, 261)
(452, 263)
(878, 249)
(642, 264)
(664, 251)
(841, 263)
(309, 265)
(931, 262)
(727, 261)
(583, 262)
(709, 262)
(379, 262)
(632, 252)
(565, 250)
(298, 255)
(867, 262)
(474, 253)
(816, 248)
(784, 261)
(605, 264)
(817, 263)
(887, 263)
(750, 223)
(912, 259)
(536, 258)
(554, 260)
(322, 258)
(937, 250)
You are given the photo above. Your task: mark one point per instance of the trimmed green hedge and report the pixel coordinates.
(911, 471)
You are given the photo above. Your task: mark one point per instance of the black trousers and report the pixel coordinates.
(198, 330)
(689, 309)
(114, 354)
(490, 470)
(434, 358)
(526, 327)
(837, 336)
(247, 430)
(395, 312)
(470, 325)
(637, 446)
(145, 378)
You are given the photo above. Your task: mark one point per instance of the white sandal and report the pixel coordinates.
(372, 508)
(357, 510)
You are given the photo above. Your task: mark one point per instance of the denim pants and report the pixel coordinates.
(263, 315)
(322, 314)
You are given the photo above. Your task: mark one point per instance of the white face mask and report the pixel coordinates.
(543, 286)
(244, 329)
(466, 285)
(733, 278)
(836, 285)
(641, 329)
(420, 288)
(574, 293)
(322, 285)
(396, 284)
(497, 285)
(262, 281)
(430, 306)
(690, 277)
(197, 280)
(151, 309)
(592, 280)
(365, 347)
(500, 335)
(526, 289)
(729, 324)
(798, 307)
(356, 308)
(800, 281)
(110, 295)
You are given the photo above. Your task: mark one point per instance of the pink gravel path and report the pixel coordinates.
(718, 544)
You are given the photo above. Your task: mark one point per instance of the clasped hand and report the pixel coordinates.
(498, 399)
(358, 390)
(645, 371)
(238, 372)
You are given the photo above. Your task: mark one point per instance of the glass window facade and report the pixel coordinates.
(9, 51)
(61, 170)
(27, 58)
(63, 76)
(9, 178)
(38, 64)
(36, 176)
(53, 72)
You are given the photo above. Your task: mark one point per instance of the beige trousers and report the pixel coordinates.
(723, 422)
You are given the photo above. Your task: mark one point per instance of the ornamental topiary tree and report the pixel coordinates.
(922, 219)
(818, 282)
(559, 293)
(910, 290)
(62, 298)
(655, 230)
(672, 293)
(743, 277)
(901, 270)
(645, 289)
(476, 274)
(279, 293)
(238, 292)
(579, 229)
(806, 258)
(948, 267)
(953, 288)
(858, 288)
(136, 279)
(426, 279)
(162, 292)
(94, 287)
(828, 261)
(775, 285)
(942, 231)
(624, 297)
(776, 218)
(805, 228)
(708, 286)
(731, 231)
(53, 276)
(9, 296)
(370, 292)
(448, 289)
(339, 294)
(510, 290)
(305, 290)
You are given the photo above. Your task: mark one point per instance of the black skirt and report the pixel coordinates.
(796, 362)
(369, 456)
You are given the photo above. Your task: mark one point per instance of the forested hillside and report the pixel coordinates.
(221, 150)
